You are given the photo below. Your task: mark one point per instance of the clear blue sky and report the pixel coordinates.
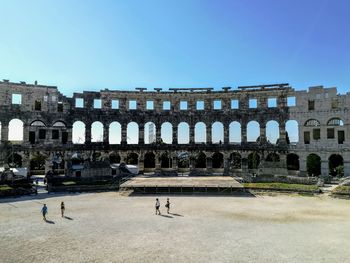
(93, 45)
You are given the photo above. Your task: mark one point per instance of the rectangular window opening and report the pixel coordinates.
(55, 134)
(253, 103)
(17, 99)
(166, 105)
(316, 134)
(330, 133)
(60, 107)
(132, 105)
(149, 105)
(37, 105)
(307, 137)
(311, 105)
(183, 105)
(217, 105)
(291, 101)
(271, 102)
(234, 104)
(115, 104)
(200, 105)
(97, 103)
(79, 103)
(42, 134)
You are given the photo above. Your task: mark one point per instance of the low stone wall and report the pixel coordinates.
(270, 178)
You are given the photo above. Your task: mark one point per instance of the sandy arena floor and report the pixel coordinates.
(107, 227)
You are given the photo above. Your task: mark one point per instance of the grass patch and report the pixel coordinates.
(5, 187)
(282, 186)
(342, 190)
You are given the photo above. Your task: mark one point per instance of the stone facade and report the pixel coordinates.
(48, 118)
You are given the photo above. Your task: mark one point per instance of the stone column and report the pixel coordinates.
(191, 134)
(209, 138)
(226, 166)
(302, 166)
(141, 164)
(70, 134)
(209, 164)
(25, 133)
(243, 132)
(88, 133)
(106, 134)
(175, 141)
(174, 163)
(263, 133)
(124, 133)
(4, 132)
(346, 168)
(324, 168)
(282, 132)
(157, 163)
(244, 164)
(226, 134)
(158, 133)
(141, 133)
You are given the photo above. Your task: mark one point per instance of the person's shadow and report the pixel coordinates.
(67, 217)
(166, 216)
(49, 221)
(174, 214)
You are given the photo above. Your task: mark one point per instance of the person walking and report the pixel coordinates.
(167, 205)
(44, 211)
(157, 206)
(62, 209)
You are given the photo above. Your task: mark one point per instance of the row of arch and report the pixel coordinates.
(15, 131)
(183, 131)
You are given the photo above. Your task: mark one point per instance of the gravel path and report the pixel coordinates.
(108, 227)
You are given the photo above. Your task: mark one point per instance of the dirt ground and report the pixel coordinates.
(108, 227)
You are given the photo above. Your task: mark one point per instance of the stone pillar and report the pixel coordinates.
(282, 132)
(175, 134)
(88, 133)
(25, 133)
(141, 164)
(209, 164)
(244, 132)
(174, 163)
(157, 163)
(226, 166)
(226, 134)
(263, 133)
(141, 133)
(158, 133)
(4, 132)
(324, 168)
(209, 138)
(70, 135)
(191, 134)
(346, 168)
(124, 133)
(106, 134)
(48, 162)
(302, 166)
(244, 164)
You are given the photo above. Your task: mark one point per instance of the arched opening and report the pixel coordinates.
(59, 124)
(78, 134)
(166, 133)
(200, 132)
(201, 160)
(114, 158)
(77, 159)
(253, 131)
(150, 160)
(15, 130)
(97, 132)
(312, 123)
(132, 133)
(37, 162)
(132, 159)
(183, 133)
(14, 160)
(218, 160)
(253, 160)
(115, 133)
(150, 133)
(313, 165)
(235, 161)
(292, 131)
(336, 165)
(272, 131)
(235, 132)
(335, 122)
(38, 123)
(272, 157)
(293, 162)
(217, 131)
(165, 161)
(183, 160)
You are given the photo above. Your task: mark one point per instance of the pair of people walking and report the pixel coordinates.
(167, 205)
(44, 210)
